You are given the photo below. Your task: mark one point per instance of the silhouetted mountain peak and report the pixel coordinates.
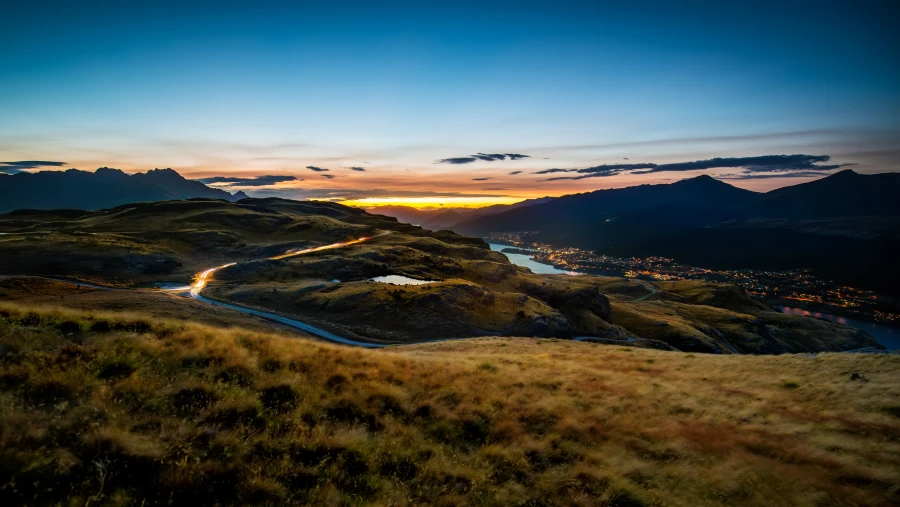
(702, 181)
(237, 196)
(104, 188)
(167, 173)
(105, 172)
(846, 174)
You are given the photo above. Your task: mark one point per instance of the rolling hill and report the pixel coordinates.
(473, 291)
(120, 409)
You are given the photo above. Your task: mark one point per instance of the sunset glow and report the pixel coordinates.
(430, 202)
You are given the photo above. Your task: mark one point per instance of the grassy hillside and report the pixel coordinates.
(116, 409)
(479, 292)
(172, 240)
(40, 292)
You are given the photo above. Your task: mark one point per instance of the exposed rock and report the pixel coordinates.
(587, 298)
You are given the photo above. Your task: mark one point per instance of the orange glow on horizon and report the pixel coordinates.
(431, 202)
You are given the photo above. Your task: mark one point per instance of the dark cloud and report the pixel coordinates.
(766, 164)
(596, 171)
(555, 170)
(316, 169)
(760, 176)
(489, 157)
(329, 176)
(457, 160)
(360, 169)
(485, 157)
(258, 181)
(480, 179)
(20, 165)
(515, 173)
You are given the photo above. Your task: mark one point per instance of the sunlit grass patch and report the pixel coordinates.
(192, 414)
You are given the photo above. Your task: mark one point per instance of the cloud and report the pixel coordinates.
(329, 176)
(316, 169)
(765, 164)
(360, 169)
(515, 173)
(555, 170)
(457, 160)
(20, 165)
(480, 179)
(494, 189)
(760, 176)
(258, 181)
(599, 171)
(484, 157)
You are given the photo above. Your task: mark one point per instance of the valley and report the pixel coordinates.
(314, 263)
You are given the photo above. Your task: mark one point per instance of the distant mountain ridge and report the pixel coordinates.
(405, 214)
(446, 218)
(845, 227)
(593, 208)
(103, 188)
(843, 194)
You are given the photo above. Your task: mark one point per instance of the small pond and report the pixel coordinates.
(400, 280)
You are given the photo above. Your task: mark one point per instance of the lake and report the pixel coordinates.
(886, 335)
(526, 261)
(400, 280)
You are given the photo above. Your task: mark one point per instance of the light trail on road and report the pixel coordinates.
(203, 278)
(326, 247)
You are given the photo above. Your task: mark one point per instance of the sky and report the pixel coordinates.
(462, 103)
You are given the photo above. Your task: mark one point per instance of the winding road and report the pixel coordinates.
(203, 278)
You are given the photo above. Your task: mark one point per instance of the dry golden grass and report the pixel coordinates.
(42, 292)
(113, 410)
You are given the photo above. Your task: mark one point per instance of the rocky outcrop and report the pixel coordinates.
(586, 298)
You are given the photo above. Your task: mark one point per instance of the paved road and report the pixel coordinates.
(297, 324)
(204, 277)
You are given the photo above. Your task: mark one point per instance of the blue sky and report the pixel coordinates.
(220, 89)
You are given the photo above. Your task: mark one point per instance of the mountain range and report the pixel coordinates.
(845, 227)
(103, 188)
